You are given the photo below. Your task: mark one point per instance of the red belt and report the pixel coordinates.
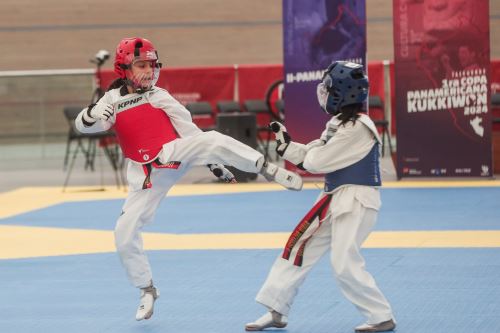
(318, 211)
(148, 167)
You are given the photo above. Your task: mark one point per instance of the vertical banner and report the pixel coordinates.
(442, 74)
(315, 34)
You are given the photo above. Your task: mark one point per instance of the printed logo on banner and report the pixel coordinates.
(415, 172)
(485, 170)
(466, 92)
(438, 171)
(442, 66)
(412, 171)
(187, 97)
(317, 75)
(463, 171)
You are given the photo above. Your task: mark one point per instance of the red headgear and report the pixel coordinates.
(132, 49)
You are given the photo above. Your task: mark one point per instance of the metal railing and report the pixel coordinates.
(32, 102)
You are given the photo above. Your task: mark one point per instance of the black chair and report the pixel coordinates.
(199, 108)
(70, 113)
(495, 100)
(87, 145)
(228, 106)
(261, 110)
(495, 105)
(241, 126)
(203, 115)
(377, 113)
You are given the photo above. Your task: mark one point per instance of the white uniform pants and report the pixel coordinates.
(140, 205)
(343, 236)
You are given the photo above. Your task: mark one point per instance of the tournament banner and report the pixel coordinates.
(315, 34)
(442, 75)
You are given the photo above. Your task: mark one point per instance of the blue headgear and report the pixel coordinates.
(344, 83)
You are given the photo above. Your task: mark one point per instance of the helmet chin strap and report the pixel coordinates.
(139, 90)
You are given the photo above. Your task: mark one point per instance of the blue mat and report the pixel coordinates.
(431, 290)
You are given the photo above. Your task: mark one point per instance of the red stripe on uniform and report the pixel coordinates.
(169, 165)
(147, 181)
(317, 211)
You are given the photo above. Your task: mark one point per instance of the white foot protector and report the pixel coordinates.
(146, 305)
(385, 326)
(285, 178)
(270, 319)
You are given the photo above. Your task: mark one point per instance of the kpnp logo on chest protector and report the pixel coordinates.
(142, 129)
(129, 103)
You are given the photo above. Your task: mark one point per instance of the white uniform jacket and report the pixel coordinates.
(339, 147)
(158, 97)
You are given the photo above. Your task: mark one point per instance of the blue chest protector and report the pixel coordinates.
(364, 172)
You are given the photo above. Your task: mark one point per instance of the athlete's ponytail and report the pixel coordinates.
(116, 84)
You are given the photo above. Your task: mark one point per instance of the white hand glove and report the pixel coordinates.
(222, 173)
(101, 111)
(282, 137)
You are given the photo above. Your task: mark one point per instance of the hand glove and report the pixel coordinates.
(282, 137)
(222, 173)
(101, 111)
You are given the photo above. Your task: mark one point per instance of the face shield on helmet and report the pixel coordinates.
(136, 61)
(143, 74)
(344, 83)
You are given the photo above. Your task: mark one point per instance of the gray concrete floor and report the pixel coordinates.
(42, 165)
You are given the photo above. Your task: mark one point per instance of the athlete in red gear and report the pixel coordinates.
(161, 143)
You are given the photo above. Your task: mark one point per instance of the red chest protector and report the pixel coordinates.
(142, 129)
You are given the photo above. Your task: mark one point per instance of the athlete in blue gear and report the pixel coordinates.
(346, 210)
